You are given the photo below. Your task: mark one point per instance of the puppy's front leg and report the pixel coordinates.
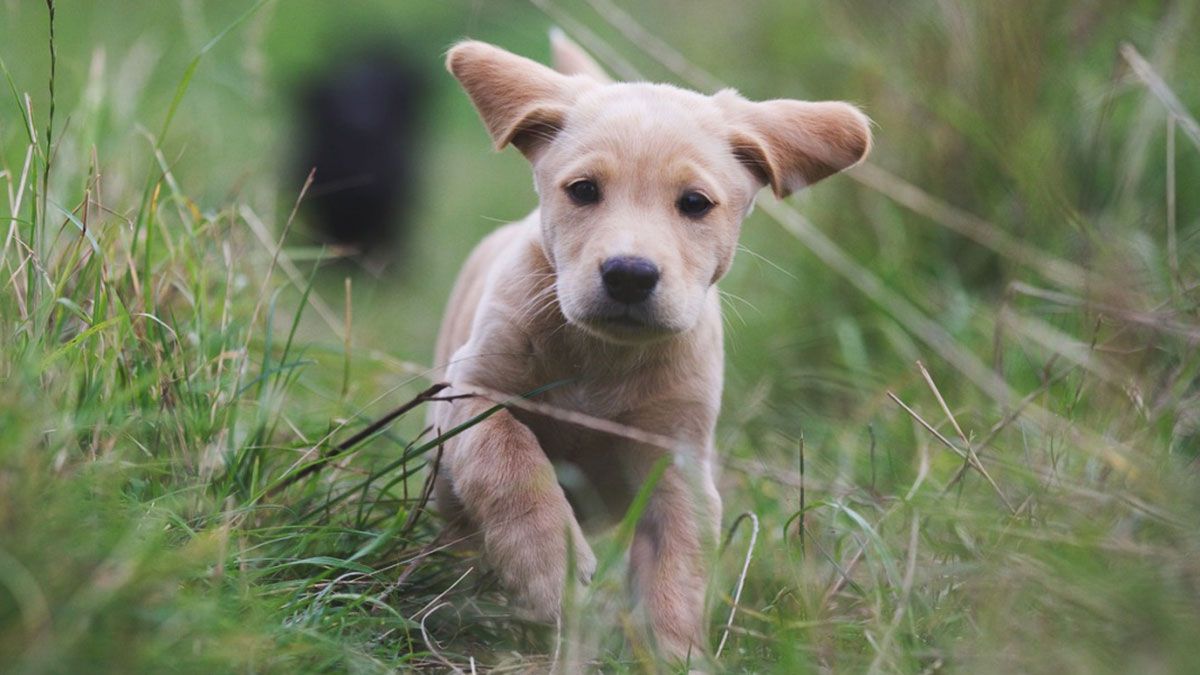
(509, 492)
(669, 560)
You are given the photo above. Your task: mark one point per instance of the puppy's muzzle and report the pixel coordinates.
(629, 279)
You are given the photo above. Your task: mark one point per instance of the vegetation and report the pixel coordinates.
(962, 402)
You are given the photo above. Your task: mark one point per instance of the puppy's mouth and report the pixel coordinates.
(626, 319)
(627, 324)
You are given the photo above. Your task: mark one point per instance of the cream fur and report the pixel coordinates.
(529, 308)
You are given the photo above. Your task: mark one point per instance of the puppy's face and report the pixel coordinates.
(641, 203)
(644, 187)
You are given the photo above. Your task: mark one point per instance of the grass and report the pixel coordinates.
(962, 408)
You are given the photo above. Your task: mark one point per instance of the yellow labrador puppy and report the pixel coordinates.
(610, 286)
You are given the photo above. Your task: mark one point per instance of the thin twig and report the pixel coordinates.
(348, 322)
(1009, 419)
(801, 525)
(1172, 251)
(662, 52)
(278, 247)
(945, 408)
(432, 645)
(357, 438)
(1153, 317)
(443, 594)
(576, 418)
(737, 593)
(968, 225)
(953, 420)
(260, 230)
(427, 550)
(426, 491)
(871, 434)
(49, 119)
(945, 441)
(1157, 86)
(843, 575)
(558, 640)
(593, 42)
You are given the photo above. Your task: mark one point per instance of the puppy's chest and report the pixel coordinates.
(606, 399)
(574, 408)
(621, 393)
(590, 384)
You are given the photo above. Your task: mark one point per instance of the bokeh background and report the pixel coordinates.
(1027, 229)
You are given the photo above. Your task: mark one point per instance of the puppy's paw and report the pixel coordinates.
(540, 602)
(539, 597)
(534, 568)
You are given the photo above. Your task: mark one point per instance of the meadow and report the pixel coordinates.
(961, 424)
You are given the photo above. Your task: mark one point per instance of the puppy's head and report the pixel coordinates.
(644, 187)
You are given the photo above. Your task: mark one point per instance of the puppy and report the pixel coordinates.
(609, 288)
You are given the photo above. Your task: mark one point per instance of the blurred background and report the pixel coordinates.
(1027, 228)
(1023, 114)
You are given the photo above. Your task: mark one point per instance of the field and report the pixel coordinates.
(961, 424)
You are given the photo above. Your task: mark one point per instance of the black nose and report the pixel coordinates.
(629, 279)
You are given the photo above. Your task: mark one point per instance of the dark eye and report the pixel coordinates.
(694, 204)
(584, 192)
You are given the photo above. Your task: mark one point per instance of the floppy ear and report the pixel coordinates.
(793, 144)
(520, 101)
(571, 59)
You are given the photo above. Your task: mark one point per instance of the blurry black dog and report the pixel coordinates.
(360, 128)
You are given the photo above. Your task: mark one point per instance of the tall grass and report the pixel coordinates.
(149, 425)
(962, 413)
